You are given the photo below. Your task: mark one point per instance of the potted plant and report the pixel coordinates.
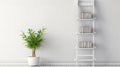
(33, 40)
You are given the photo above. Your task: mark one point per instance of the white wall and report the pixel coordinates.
(55, 15)
(59, 17)
(108, 37)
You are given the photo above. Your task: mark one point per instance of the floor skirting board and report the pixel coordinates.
(60, 65)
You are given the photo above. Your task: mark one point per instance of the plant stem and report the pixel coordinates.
(33, 53)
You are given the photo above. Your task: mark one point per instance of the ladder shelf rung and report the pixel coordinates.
(87, 19)
(85, 59)
(85, 55)
(86, 5)
(84, 48)
(92, 33)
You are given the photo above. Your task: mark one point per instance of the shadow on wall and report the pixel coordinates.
(100, 38)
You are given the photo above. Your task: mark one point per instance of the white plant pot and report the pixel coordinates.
(33, 61)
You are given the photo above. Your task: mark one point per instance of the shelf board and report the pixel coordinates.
(87, 33)
(85, 4)
(85, 48)
(82, 19)
(84, 60)
(85, 55)
(86, 19)
(88, 1)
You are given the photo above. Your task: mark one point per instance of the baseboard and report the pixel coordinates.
(58, 64)
(23, 61)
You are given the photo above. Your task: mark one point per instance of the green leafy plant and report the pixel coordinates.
(33, 39)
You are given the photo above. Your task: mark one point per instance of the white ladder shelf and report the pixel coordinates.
(86, 17)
